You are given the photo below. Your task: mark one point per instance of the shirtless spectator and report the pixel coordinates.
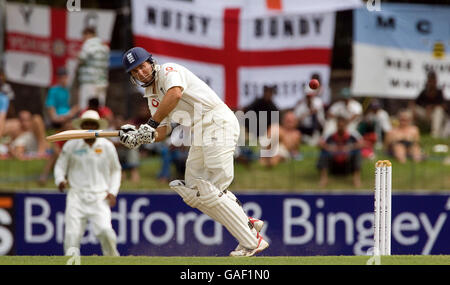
(288, 143)
(28, 134)
(403, 141)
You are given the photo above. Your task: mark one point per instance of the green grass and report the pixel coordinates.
(279, 260)
(293, 176)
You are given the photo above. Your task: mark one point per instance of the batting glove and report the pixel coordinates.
(128, 136)
(146, 134)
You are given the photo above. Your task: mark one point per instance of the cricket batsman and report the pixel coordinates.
(91, 171)
(175, 94)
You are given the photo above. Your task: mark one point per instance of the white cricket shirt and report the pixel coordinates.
(93, 168)
(303, 110)
(196, 94)
(341, 109)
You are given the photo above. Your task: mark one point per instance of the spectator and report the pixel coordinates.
(264, 104)
(403, 141)
(103, 111)
(379, 117)
(374, 126)
(30, 141)
(55, 152)
(174, 150)
(446, 133)
(6, 95)
(284, 140)
(347, 107)
(61, 115)
(429, 106)
(93, 65)
(58, 102)
(311, 115)
(129, 158)
(340, 153)
(244, 153)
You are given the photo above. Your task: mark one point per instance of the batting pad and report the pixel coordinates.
(229, 213)
(190, 197)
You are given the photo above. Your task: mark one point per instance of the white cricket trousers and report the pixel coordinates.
(81, 207)
(211, 156)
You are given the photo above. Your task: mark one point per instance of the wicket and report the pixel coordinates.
(382, 207)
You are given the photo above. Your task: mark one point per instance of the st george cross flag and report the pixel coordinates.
(237, 47)
(40, 39)
(394, 48)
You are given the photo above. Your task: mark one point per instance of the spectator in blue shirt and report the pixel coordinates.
(4, 105)
(6, 95)
(58, 101)
(61, 115)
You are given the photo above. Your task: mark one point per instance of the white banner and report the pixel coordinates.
(238, 50)
(289, 82)
(286, 31)
(40, 39)
(175, 20)
(395, 48)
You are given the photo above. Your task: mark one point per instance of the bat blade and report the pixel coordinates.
(81, 134)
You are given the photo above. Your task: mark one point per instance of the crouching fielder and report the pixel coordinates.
(175, 93)
(92, 171)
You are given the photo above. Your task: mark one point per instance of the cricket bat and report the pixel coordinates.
(82, 134)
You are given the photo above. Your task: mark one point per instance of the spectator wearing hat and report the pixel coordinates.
(311, 115)
(58, 102)
(346, 107)
(93, 68)
(90, 171)
(429, 107)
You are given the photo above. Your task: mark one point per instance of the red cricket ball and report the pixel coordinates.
(314, 84)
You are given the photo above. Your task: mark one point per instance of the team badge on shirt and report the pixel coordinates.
(98, 150)
(170, 69)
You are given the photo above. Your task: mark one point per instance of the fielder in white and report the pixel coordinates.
(91, 170)
(174, 93)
